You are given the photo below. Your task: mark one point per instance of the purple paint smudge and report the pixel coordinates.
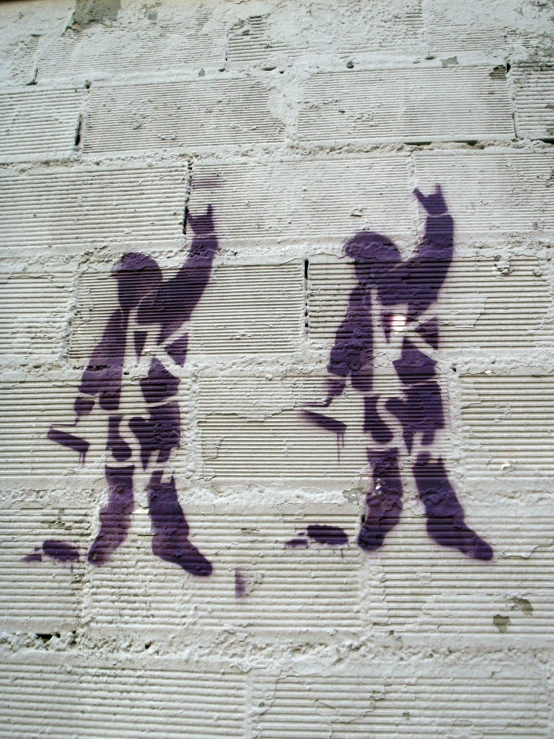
(160, 383)
(296, 543)
(61, 551)
(139, 338)
(35, 556)
(173, 302)
(240, 584)
(82, 407)
(429, 332)
(161, 432)
(373, 423)
(331, 535)
(416, 282)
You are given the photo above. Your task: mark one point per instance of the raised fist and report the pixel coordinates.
(434, 204)
(202, 224)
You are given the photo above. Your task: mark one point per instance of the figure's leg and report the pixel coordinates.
(384, 503)
(445, 515)
(115, 518)
(170, 541)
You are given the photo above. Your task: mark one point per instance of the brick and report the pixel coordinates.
(38, 123)
(43, 597)
(73, 206)
(495, 27)
(185, 115)
(506, 426)
(288, 592)
(409, 705)
(25, 28)
(30, 405)
(428, 587)
(321, 200)
(252, 427)
(34, 314)
(159, 696)
(290, 34)
(178, 39)
(492, 195)
(428, 104)
(534, 102)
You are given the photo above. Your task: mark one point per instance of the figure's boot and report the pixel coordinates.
(445, 515)
(384, 503)
(115, 518)
(170, 541)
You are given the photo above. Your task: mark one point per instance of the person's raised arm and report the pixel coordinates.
(438, 240)
(423, 274)
(174, 302)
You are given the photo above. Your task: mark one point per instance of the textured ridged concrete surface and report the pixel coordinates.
(301, 125)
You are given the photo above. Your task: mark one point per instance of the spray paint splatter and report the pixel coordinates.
(241, 584)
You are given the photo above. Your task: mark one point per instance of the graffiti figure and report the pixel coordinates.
(400, 290)
(153, 310)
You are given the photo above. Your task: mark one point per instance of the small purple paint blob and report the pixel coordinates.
(240, 584)
(331, 535)
(296, 543)
(61, 551)
(329, 424)
(35, 556)
(70, 441)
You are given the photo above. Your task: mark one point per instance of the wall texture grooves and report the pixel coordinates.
(301, 124)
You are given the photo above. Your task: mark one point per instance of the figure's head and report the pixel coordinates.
(374, 255)
(136, 276)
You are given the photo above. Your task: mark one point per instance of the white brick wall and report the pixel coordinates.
(301, 124)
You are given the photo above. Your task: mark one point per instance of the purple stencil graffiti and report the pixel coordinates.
(400, 289)
(151, 315)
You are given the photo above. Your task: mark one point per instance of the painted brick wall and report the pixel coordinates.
(301, 124)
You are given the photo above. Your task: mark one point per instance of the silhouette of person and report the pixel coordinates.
(388, 283)
(154, 310)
